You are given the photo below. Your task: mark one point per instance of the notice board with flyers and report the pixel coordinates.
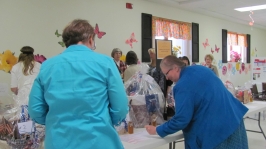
(258, 72)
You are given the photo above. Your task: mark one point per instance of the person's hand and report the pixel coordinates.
(151, 129)
(172, 103)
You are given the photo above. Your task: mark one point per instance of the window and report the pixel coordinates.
(177, 31)
(236, 47)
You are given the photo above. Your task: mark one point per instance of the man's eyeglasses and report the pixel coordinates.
(168, 71)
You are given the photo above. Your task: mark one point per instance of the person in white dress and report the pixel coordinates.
(23, 74)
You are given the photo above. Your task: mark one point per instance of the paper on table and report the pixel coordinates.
(135, 137)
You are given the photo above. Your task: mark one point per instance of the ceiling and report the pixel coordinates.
(223, 9)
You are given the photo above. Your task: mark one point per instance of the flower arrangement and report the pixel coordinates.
(235, 56)
(176, 50)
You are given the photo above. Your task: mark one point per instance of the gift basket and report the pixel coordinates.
(146, 100)
(242, 93)
(16, 127)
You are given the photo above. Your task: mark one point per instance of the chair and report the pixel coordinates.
(264, 87)
(257, 95)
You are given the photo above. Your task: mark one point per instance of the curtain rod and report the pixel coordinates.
(170, 20)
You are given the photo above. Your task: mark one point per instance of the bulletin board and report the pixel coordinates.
(258, 72)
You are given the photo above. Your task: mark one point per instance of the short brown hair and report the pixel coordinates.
(171, 60)
(210, 56)
(76, 31)
(114, 51)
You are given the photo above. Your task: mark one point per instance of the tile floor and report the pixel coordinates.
(255, 140)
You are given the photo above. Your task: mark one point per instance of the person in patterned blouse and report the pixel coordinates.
(116, 54)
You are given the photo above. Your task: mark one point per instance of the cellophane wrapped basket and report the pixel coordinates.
(146, 100)
(16, 127)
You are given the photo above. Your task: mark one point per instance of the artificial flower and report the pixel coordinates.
(235, 56)
(39, 58)
(7, 61)
(123, 58)
(176, 50)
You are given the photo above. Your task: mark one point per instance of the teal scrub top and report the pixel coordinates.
(79, 96)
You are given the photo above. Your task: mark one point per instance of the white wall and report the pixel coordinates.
(33, 23)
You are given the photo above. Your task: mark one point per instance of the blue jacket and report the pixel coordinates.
(79, 96)
(205, 110)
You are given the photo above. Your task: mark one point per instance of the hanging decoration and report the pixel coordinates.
(220, 64)
(224, 70)
(237, 66)
(217, 49)
(206, 43)
(212, 50)
(99, 33)
(7, 61)
(39, 58)
(229, 66)
(57, 34)
(243, 66)
(60, 42)
(246, 70)
(233, 70)
(254, 52)
(131, 40)
(251, 23)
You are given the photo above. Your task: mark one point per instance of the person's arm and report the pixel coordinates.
(14, 81)
(117, 96)
(14, 90)
(184, 109)
(38, 108)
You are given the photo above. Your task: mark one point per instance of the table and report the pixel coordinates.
(152, 141)
(255, 107)
(147, 141)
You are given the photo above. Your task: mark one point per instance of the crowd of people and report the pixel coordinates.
(79, 95)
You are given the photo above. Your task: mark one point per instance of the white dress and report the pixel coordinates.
(22, 82)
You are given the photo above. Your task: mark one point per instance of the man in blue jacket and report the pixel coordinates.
(207, 113)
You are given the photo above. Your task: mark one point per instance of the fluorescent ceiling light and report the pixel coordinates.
(258, 7)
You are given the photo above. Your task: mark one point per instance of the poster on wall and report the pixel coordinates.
(163, 48)
(258, 69)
